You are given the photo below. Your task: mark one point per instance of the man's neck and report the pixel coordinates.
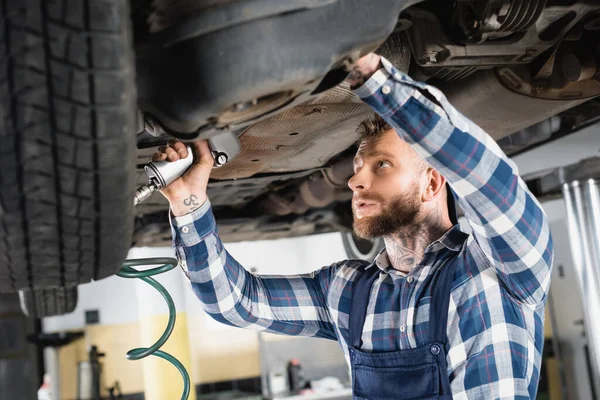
(406, 248)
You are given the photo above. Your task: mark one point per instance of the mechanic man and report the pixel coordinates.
(440, 312)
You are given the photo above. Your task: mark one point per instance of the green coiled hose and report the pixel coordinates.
(136, 354)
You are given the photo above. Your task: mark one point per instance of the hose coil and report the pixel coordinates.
(141, 352)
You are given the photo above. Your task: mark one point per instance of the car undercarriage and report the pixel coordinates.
(525, 71)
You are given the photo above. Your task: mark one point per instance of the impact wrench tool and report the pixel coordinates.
(223, 147)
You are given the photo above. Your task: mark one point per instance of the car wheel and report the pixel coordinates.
(67, 131)
(48, 302)
(362, 249)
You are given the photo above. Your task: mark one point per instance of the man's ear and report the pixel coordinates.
(435, 185)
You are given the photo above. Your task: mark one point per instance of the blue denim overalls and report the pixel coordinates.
(418, 373)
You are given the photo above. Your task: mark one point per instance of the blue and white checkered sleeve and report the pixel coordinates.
(508, 222)
(291, 305)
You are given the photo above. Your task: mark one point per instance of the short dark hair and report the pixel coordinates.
(372, 128)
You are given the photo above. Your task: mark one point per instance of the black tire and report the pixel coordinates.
(67, 131)
(361, 249)
(48, 302)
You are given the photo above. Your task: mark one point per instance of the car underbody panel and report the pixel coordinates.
(526, 71)
(230, 65)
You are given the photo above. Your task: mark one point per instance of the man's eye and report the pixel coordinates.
(383, 164)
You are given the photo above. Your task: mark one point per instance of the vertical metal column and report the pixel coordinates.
(582, 198)
(53, 369)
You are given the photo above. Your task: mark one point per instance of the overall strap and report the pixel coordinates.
(360, 301)
(440, 301)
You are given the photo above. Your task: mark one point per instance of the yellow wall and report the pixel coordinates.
(221, 353)
(68, 357)
(151, 374)
(551, 363)
(216, 353)
(114, 341)
(161, 379)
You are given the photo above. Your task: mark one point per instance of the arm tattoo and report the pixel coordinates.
(192, 202)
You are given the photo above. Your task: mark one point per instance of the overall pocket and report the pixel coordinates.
(417, 382)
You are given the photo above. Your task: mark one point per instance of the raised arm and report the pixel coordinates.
(292, 305)
(507, 221)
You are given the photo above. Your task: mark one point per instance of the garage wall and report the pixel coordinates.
(221, 352)
(129, 310)
(113, 297)
(567, 150)
(118, 331)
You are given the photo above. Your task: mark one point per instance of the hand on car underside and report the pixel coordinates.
(363, 69)
(187, 193)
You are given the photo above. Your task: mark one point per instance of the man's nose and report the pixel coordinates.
(359, 181)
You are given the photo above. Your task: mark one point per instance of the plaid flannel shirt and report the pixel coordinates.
(502, 269)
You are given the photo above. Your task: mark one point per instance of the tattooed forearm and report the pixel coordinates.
(187, 203)
(192, 203)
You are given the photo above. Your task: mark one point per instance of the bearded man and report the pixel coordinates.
(440, 313)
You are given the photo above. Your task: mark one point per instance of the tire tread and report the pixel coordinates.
(67, 110)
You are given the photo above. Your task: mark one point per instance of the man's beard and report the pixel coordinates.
(399, 216)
